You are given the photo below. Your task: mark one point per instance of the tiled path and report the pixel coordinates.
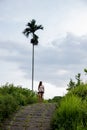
(32, 117)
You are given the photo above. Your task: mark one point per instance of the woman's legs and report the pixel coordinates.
(40, 96)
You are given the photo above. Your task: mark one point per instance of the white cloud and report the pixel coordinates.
(54, 64)
(52, 90)
(61, 72)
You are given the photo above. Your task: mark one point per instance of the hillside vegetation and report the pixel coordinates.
(13, 97)
(71, 114)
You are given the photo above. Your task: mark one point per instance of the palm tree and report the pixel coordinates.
(31, 29)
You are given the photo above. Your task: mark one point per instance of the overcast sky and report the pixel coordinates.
(62, 48)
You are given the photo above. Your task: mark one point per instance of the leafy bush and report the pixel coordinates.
(72, 111)
(12, 97)
(67, 115)
(83, 113)
(56, 99)
(8, 105)
(80, 91)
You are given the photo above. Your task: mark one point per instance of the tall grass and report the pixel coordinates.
(72, 112)
(67, 115)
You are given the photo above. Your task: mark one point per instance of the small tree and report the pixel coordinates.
(71, 84)
(78, 78)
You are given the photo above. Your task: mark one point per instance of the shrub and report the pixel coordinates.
(72, 112)
(12, 97)
(56, 99)
(7, 106)
(83, 114)
(66, 116)
(80, 91)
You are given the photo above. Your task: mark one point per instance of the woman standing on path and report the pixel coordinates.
(40, 91)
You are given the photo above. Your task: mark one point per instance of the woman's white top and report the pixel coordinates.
(41, 88)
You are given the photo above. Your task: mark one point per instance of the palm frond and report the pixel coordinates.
(32, 28)
(26, 32)
(39, 27)
(31, 23)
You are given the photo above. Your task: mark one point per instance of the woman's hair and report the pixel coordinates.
(40, 83)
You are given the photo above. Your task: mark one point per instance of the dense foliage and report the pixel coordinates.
(72, 111)
(55, 99)
(12, 97)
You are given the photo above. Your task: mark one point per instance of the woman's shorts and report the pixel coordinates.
(40, 92)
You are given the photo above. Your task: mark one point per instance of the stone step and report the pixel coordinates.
(33, 117)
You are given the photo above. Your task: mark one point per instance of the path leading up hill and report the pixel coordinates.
(32, 117)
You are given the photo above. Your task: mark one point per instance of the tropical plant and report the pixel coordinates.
(31, 29)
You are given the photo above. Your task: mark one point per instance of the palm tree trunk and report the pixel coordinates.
(32, 66)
